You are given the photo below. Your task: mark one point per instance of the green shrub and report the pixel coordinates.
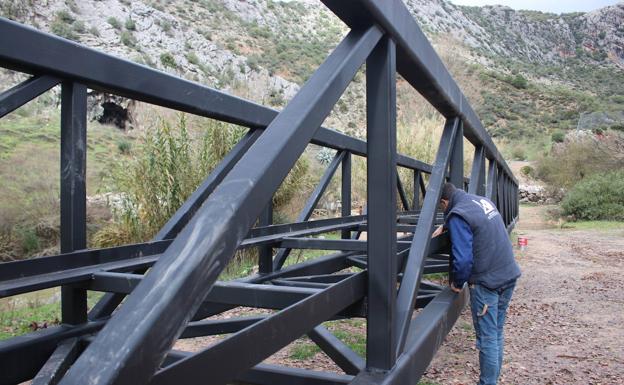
(79, 27)
(597, 197)
(128, 39)
(29, 241)
(114, 22)
(124, 146)
(63, 29)
(518, 153)
(130, 25)
(63, 26)
(573, 161)
(165, 25)
(618, 127)
(166, 170)
(558, 137)
(168, 60)
(65, 17)
(519, 82)
(527, 171)
(192, 58)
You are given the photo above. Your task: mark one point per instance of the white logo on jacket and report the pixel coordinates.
(487, 207)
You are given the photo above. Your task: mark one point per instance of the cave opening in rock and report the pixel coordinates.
(113, 113)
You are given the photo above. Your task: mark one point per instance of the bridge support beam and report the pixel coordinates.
(382, 179)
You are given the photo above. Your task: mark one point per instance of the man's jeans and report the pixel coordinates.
(489, 308)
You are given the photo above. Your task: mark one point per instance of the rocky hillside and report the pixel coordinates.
(530, 36)
(527, 73)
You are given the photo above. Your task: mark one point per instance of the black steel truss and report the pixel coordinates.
(132, 343)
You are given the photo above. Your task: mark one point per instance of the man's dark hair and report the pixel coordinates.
(447, 191)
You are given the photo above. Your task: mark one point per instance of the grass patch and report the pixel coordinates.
(28, 312)
(437, 277)
(304, 349)
(353, 339)
(352, 332)
(29, 185)
(596, 225)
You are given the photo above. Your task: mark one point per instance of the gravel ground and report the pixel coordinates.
(565, 319)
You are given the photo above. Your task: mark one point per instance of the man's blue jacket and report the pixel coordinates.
(481, 249)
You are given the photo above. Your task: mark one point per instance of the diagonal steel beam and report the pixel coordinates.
(422, 237)
(15, 97)
(58, 363)
(341, 354)
(224, 360)
(156, 311)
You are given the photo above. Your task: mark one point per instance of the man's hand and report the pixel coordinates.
(455, 289)
(438, 231)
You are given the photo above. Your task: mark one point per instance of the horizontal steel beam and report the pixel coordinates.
(322, 225)
(23, 356)
(228, 293)
(329, 244)
(264, 374)
(40, 273)
(84, 258)
(71, 276)
(218, 326)
(121, 77)
(267, 374)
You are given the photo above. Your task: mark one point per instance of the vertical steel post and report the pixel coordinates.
(265, 252)
(345, 196)
(381, 177)
(402, 195)
(491, 181)
(73, 191)
(456, 166)
(417, 182)
(500, 199)
(477, 175)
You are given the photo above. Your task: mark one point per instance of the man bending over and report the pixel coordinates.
(483, 258)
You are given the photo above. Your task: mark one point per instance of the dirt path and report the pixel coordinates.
(566, 320)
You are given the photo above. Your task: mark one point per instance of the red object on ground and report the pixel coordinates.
(523, 242)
